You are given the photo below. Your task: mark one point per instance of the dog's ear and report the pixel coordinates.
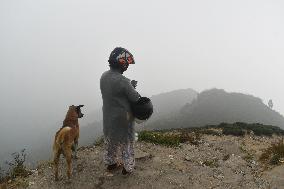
(80, 106)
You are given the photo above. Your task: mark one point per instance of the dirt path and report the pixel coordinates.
(217, 162)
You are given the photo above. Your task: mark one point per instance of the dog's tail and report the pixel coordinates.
(60, 137)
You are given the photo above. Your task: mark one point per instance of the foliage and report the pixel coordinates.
(235, 131)
(170, 138)
(211, 163)
(173, 137)
(99, 141)
(160, 138)
(239, 129)
(17, 167)
(273, 154)
(2, 175)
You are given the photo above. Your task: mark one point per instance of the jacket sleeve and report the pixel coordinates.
(131, 93)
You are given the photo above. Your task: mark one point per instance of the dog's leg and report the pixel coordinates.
(68, 156)
(75, 148)
(56, 155)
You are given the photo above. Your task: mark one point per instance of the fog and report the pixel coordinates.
(52, 54)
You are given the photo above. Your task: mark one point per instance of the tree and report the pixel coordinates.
(270, 104)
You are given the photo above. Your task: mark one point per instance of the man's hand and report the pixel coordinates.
(134, 83)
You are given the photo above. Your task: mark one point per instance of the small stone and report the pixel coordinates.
(108, 174)
(187, 158)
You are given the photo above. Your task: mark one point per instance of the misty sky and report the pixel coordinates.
(52, 53)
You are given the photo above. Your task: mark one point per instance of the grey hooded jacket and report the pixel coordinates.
(117, 93)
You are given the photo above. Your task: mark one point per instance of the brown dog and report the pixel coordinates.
(66, 139)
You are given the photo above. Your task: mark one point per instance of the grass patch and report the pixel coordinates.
(211, 163)
(235, 129)
(19, 183)
(273, 154)
(171, 138)
(240, 129)
(160, 138)
(248, 157)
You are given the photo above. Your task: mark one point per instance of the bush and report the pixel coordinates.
(170, 138)
(262, 131)
(99, 141)
(17, 167)
(257, 128)
(160, 138)
(235, 131)
(273, 154)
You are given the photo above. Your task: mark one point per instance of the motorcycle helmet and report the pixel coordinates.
(142, 109)
(120, 58)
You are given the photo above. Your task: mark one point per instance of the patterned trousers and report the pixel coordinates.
(115, 153)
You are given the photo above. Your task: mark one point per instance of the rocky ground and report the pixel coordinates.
(221, 162)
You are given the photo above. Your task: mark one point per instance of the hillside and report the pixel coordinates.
(206, 159)
(170, 102)
(216, 106)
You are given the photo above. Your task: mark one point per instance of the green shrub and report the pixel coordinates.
(262, 131)
(257, 128)
(159, 138)
(170, 138)
(191, 137)
(235, 131)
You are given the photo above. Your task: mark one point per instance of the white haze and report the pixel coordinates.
(52, 53)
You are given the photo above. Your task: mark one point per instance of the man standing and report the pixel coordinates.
(118, 93)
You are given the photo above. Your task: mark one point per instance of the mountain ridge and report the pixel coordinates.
(215, 106)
